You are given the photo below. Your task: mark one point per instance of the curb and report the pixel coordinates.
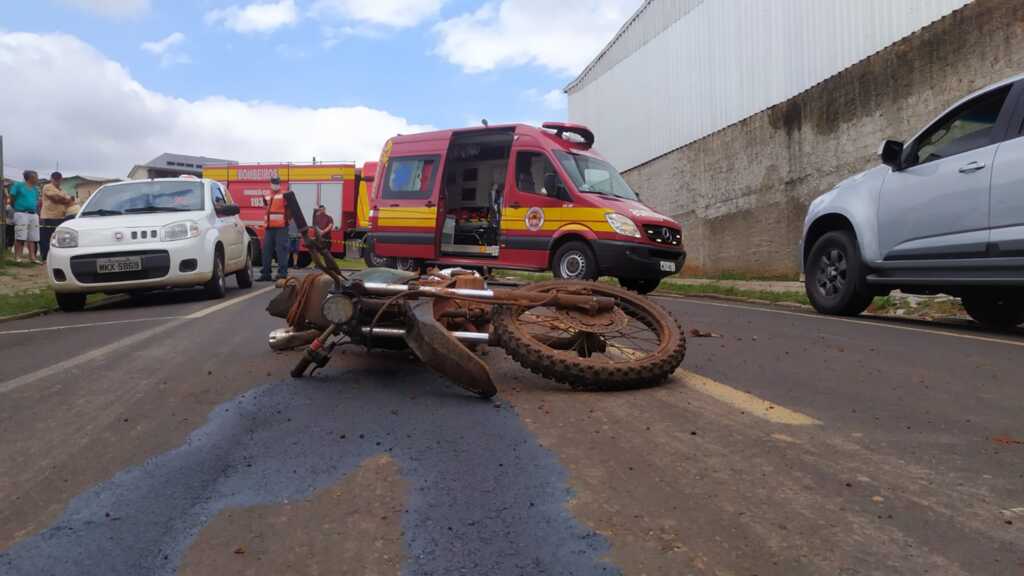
(740, 299)
(45, 311)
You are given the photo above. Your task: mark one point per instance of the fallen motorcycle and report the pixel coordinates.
(589, 335)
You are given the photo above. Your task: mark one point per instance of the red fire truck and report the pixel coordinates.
(340, 187)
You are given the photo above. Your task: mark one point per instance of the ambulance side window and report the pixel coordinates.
(410, 178)
(533, 169)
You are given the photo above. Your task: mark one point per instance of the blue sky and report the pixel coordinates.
(356, 69)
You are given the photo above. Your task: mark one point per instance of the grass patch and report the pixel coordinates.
(27, 301)
(733, 292)
(350, 263)
(740, 277)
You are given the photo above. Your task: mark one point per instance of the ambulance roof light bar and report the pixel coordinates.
(562, 128)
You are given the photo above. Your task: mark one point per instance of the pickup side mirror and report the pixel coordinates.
(892, 154)
(226, 210)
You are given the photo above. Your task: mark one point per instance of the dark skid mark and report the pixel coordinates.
(485, 497)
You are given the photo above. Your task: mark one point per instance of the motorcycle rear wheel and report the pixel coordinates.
(641, 353)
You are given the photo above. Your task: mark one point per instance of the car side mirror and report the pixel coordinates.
(891, 153)
(226, 210)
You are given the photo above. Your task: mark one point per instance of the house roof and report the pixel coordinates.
(169, 161)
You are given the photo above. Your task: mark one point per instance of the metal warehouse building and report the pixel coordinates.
(733, 114)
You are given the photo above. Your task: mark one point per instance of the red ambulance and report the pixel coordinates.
(518, 197)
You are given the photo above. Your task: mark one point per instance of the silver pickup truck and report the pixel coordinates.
(943, 213)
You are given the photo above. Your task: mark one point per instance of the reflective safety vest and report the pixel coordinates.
(276, 212)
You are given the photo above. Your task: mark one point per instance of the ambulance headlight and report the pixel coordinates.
(622, 225)
(338, 309)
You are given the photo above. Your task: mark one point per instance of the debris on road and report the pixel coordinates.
(1006, 440)
(697, 333)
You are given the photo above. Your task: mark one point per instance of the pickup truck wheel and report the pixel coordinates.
(640, 285)
(995, 308)
(834, 276)
(244, 277)
(71, 302)
(217, 288)
(575, 261)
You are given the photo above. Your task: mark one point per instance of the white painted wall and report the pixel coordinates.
(724, 60)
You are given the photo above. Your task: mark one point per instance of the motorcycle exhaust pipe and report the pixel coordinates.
(465, 337)
(284, 339)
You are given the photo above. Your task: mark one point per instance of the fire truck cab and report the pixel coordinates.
(517, 197)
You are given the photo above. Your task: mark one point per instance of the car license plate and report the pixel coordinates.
(668, 266)
(115, 265)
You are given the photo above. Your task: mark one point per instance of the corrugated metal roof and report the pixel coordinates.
(657, 88)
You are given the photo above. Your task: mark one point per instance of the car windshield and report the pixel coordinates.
(594, 176)
(145, 196)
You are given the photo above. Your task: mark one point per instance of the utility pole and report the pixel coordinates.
(3, 205)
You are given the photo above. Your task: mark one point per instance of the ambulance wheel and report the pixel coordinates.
(372, 259)
(574, 261)
(408, 264)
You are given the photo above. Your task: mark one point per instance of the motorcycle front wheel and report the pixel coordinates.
(637, 344)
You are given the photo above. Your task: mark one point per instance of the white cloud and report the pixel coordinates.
(555, 100)
(332, 36)
(255, 17)
(562, 36)
(112, 8)
(165, 49)
(56, 86)
(392, 13)
(162, 46)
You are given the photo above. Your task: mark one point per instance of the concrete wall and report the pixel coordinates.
(742, 192)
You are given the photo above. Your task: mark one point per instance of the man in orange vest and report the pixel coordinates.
(275, 232)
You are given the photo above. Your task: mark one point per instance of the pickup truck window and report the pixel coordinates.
(967, 128)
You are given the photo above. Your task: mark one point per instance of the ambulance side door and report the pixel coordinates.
(407, 200)
(534, 207)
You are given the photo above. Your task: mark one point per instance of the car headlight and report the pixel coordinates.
(622, 225)
(179, 231)
(64, 238)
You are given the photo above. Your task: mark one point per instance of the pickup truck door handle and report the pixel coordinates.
(972, 167)
(514, 205)
(394, 205)
(430, 204)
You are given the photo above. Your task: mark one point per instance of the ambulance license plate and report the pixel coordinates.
(115, 265)
(668, 266)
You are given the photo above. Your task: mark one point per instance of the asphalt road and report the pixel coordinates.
(163, 437)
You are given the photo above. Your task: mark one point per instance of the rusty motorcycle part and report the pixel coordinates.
(643, 352)
(440, 350)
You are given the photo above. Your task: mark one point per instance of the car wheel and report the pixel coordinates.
(217, 286)
(834, 276)
(640, 285)
(408, 264)
(70, 302)
(995, 308)
(575, 261)
(244, 277)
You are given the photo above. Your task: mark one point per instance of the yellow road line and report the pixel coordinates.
(1019, 343)
(748, 403)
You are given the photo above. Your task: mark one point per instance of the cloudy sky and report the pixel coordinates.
(100, 85)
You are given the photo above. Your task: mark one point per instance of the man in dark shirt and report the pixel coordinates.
(324, 224)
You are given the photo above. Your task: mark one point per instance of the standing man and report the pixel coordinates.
(54, 211)
(25, 200)
(293, 243)
(324, 225)
(275, 232)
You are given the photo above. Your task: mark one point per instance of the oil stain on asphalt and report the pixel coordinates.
(485, 497)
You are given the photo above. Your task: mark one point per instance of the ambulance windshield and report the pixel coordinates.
(594, 176)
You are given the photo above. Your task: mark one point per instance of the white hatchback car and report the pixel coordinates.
(150, 234)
